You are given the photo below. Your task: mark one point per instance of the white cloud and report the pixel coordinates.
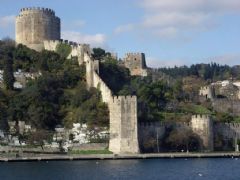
(94, 40)
(175, 18)
(7, 21)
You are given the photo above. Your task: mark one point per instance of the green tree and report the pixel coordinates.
(8, 77)
(98, 53)
(63, 50)
(3, 118)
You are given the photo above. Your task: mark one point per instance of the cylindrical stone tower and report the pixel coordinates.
(34, 25)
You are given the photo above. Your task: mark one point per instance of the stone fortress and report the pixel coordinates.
(224, 96)
(136, 63)
(34, 25)
(39, 28)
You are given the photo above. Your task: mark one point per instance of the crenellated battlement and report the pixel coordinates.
(164, 124)
(37, 9)
(70, 43)
(133, 54)
(136, 63)
(36, 24)
(202, 125)
(204, 88)
(231, 125)
(202, 117)
(124, 98)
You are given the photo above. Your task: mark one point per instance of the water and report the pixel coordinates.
(164, 169)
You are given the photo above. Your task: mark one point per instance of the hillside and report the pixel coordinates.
(60, 97)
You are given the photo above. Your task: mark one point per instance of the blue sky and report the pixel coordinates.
(169, 32)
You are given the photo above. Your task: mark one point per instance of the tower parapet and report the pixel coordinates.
(202, 125)
(26, 11)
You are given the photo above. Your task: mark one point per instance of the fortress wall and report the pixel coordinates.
(122, 112)
(148, 131)
(51, 45)
(203, 126)
(123, 125)
(153, 132)
(226, 105)
(227, 130)
(78, 50)
(105, 90)
(94, 80)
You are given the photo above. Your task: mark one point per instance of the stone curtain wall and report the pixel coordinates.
(106, 92)
(226, 105)
(122, 111)
(227, 130)
(34, 25)
(201, 126)
(77, 49)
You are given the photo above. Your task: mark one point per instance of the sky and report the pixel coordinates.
(169, 32)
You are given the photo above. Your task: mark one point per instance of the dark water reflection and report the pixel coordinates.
(124, 169)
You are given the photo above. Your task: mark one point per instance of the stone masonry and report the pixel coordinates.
(34, 25)
(123, 124)
(224, 96)
(202, 125)
(77, 50)
(136, 63)
(122, 110)
(39, 28)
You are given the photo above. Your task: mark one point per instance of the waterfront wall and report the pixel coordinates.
(226, 105)
(202, 125)
(122, 112)
(123, 124)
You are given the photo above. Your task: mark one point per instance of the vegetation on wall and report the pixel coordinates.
(63, 50)
(159, 100)
(58, 97)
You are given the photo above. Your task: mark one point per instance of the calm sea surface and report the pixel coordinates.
(164, 169)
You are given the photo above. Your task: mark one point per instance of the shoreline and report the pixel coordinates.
(121, 156)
